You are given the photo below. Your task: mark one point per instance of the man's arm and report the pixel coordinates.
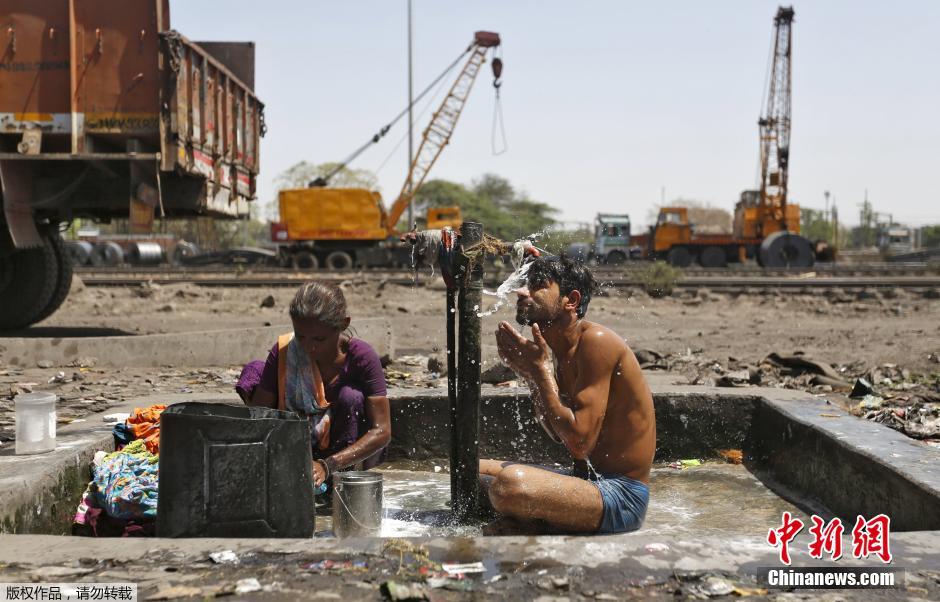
(578, 424)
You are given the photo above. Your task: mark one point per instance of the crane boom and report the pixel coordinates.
(438, 133)
(775, 123)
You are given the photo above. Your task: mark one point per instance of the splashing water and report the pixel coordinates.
(502, 292)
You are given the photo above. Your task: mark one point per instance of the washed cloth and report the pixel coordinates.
(625, 502)
(125, 483)
(144, 423)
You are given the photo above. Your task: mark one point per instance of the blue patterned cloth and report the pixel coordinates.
(125, 483)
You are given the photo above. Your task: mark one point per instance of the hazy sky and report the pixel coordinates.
(606, 102)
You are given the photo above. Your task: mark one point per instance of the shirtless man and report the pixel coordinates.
(595, 401)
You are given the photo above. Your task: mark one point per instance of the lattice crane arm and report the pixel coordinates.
(437, 135)
(775, 123)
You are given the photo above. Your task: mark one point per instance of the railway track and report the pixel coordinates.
(733, 279)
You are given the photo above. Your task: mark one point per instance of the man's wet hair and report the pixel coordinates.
(568, 274)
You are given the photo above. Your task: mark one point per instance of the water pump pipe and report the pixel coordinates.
(465, 423)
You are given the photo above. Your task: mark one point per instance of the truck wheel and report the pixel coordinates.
(79, 251)
(28, 279)
(784, 250)
(679, 257)
(304, 260)
(616, 258)
(63, 281)
(107, 254)
(713, 257)
(339, 260)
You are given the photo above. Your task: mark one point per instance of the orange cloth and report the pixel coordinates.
(144, 423)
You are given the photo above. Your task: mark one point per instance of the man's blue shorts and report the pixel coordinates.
(625, 502)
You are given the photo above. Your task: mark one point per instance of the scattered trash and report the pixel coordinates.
(173, 592)
(436, 364)
(397, 374)
(749, 591)
(871, 402)
(496, 373)
(337, 565)
(115, 418)
(861, 389)
(712, 587)
(655, 548)
(58, 378)
(412, 360)
(224, 557)
(268, 301)
(247, 586)
(738, 378)
(404, 591)
(437, 468)
(45, 363)
(681, 464)
(733, 456)
(462, 569)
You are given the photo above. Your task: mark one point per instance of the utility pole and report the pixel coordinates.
(411, 141)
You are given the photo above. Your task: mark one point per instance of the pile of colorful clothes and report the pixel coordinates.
(121, 499)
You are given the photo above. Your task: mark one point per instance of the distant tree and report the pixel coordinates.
(491, 200)
(814, 226)
(930, 236)
(494, 188)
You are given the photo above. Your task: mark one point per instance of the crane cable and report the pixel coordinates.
(498, 108)
(324, 180)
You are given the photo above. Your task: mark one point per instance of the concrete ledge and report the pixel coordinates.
(690, 424)
(208, 348)
(849, 465)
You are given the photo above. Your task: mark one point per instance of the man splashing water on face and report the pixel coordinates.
(593, 399)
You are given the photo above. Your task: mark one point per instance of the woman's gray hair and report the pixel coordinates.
(320, 301)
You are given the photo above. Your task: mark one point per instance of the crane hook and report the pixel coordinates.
(497, 72)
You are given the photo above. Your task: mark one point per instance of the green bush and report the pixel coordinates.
(658, 279)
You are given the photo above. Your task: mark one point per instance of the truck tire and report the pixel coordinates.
(107, 254)
(304, 260)
(63, 281)
(784, 250)
(679, 257)
(616, 258)
(339, 260)
(184, 250)
(713, 257)
(28, 279)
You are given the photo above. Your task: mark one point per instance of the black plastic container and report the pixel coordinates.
(234, 471)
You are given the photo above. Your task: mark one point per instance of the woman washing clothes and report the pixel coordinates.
(322, 372)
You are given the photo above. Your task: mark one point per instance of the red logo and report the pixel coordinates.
(869, 538)
(784, 535)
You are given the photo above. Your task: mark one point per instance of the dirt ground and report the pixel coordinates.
(839, 328)
(891, 336)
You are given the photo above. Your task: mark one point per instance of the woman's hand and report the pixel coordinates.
(319, 472)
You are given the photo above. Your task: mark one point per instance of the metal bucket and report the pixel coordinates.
(357, 504)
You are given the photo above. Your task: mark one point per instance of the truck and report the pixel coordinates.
(106, 112)
(339, 228)
(612, 243)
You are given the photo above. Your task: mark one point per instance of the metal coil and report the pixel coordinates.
(145, 253)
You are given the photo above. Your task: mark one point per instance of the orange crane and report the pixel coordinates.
(343, 227)
(766, 225)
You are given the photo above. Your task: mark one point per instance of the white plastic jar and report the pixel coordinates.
(35, 422)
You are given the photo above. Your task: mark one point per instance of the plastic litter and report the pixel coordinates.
(682, 464)
(654, 548)
(224, 557)
(462, 569)
(246, 586)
